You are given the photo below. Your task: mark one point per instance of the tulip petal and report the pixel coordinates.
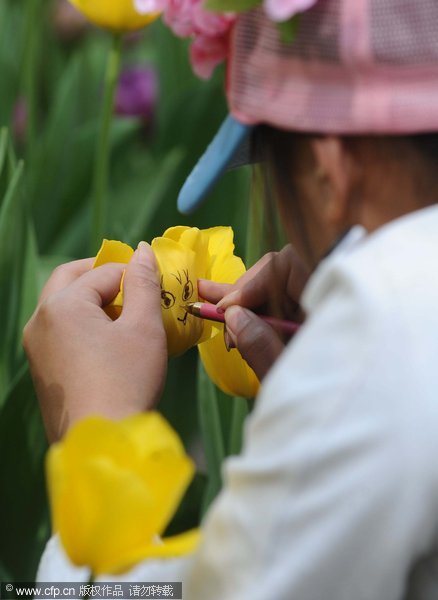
(104, 517)
(179, 276)
(175, 233)
(114, 251)
(161, 452)
(113, 488)
(195, 240)
(151, 434)
(117, 15)
(175, 545)
(224, 266)
(229, 371)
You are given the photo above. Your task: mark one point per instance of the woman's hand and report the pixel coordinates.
(273, 286)
(82, 362)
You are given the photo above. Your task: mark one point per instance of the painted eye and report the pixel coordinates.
(187, 291)
(167, 299)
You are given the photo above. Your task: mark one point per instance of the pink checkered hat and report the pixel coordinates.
(355, 67)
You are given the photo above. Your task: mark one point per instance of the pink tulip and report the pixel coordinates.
(206, 53)
(178, 15)
(209, 23)
(209, 30)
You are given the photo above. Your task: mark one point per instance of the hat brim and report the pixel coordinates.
(230, 148)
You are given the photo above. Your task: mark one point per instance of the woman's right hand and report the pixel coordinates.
(273, 286)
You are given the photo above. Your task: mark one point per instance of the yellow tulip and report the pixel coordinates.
(117, 15)
(178, 267)
(226, 369)
(113, 488)
(184, 255)
(112, 251)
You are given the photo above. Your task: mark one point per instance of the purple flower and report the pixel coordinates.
(137, 93)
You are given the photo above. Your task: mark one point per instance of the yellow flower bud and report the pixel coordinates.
(113, 488)
(117, 15)
(184, 255)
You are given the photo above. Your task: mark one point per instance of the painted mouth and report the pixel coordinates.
(184, 320)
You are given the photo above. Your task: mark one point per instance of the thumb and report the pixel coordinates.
(141, 289)
(256, 341)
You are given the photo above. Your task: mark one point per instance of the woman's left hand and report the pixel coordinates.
(83, 363)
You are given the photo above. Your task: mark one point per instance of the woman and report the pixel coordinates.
(335, 493)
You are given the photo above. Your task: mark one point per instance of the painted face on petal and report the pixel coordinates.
(178, 283)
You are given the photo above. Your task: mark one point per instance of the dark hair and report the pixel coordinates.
(427, 145)
(278, 151)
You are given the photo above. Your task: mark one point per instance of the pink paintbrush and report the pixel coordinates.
(204, 310)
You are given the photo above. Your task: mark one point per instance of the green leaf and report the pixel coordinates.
(289, 29)
(50, 174)
(18, 278)
(4, 175)
(152, 189)
(46, 266)
(4, 574)
(24, 523)
(231, 5)
(3, 147)
(187, 515)
(8, 162)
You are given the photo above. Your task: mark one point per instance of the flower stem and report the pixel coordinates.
(240, 412)
(211, 431)
(30, 71)
(101, 165)
(90, 582)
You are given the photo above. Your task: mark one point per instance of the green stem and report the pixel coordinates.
(211, 432)
(101, 165)
(240, 412)
(34, 20)
(89, 582)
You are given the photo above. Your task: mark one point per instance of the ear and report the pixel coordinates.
(337, 171)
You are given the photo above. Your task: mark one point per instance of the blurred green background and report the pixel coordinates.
(51, 79)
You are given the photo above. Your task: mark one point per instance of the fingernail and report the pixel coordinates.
(143, 246)
(236, 318)
(142, 252)
(229, 344)
(226, 301)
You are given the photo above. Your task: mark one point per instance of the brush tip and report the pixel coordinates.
(193, 307)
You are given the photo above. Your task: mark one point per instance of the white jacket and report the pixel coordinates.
(335, 495)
